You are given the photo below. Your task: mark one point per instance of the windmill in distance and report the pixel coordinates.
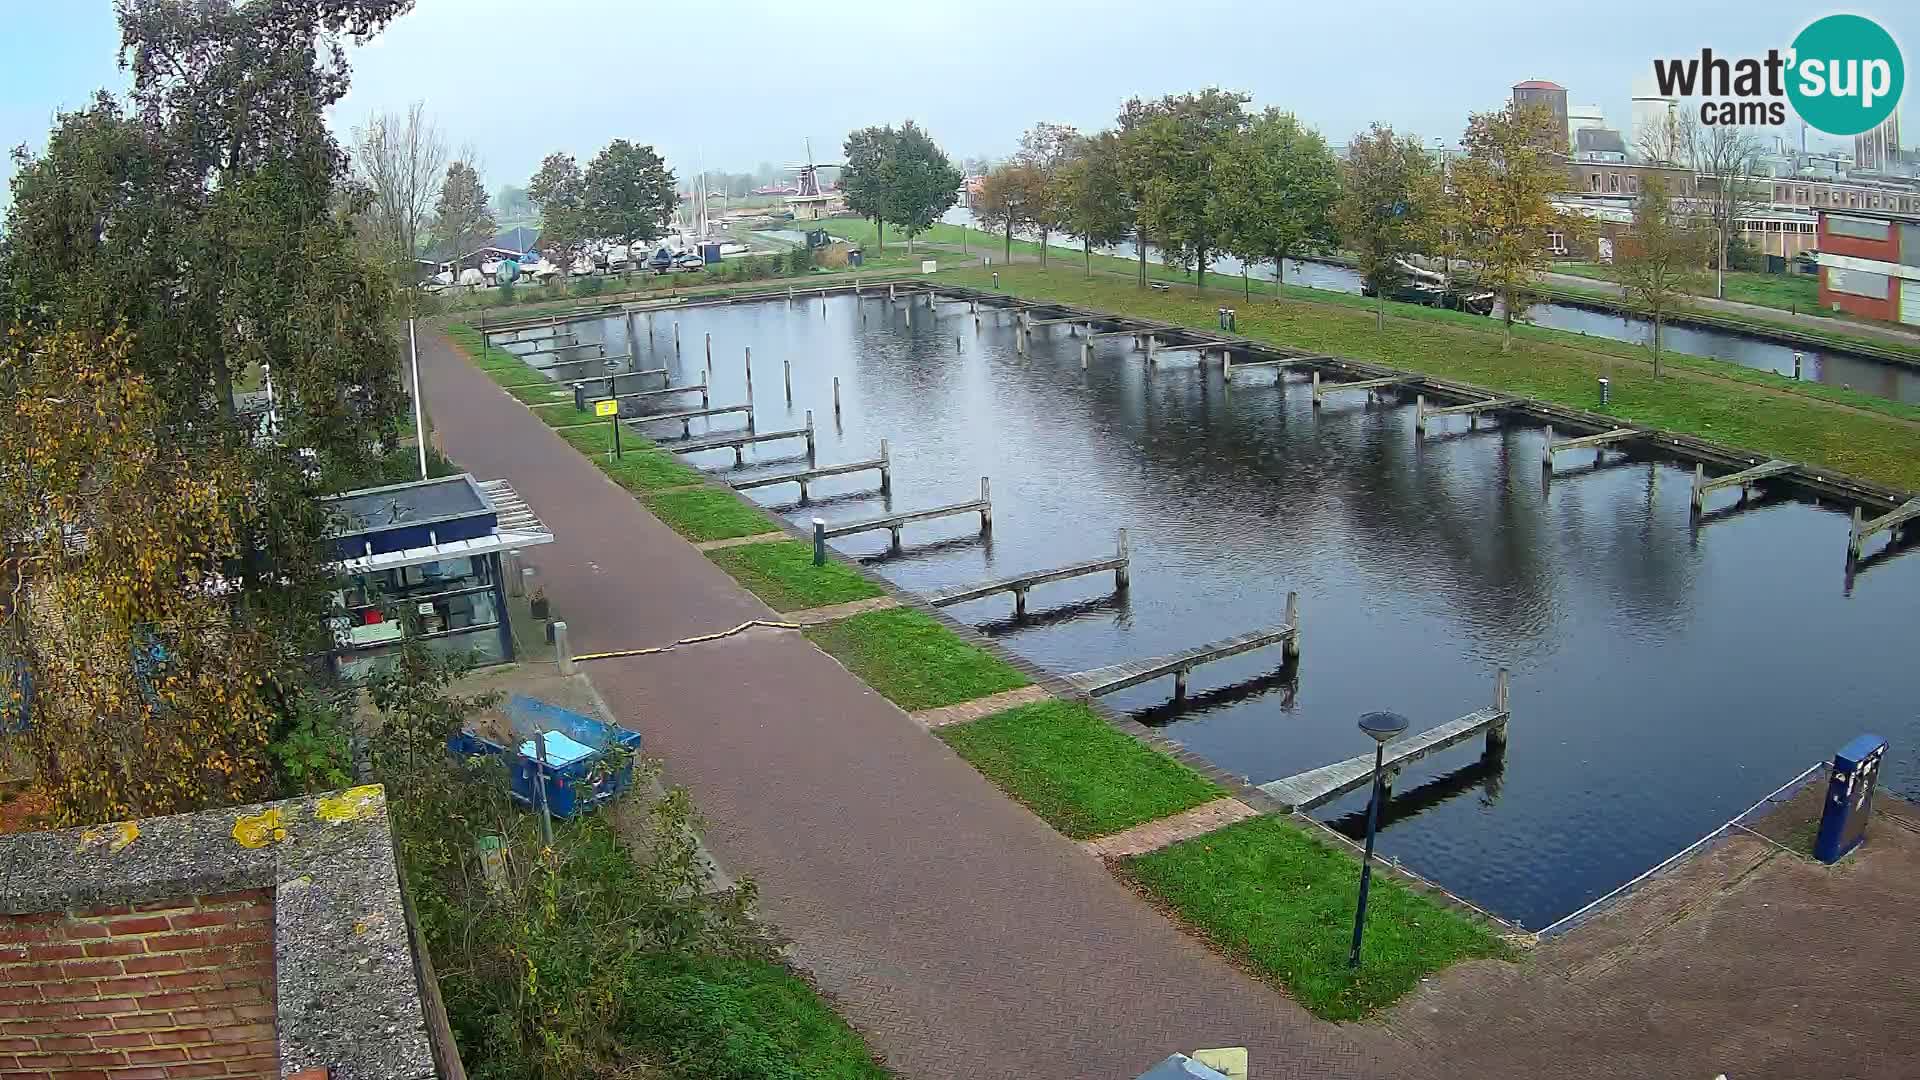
(811, 202)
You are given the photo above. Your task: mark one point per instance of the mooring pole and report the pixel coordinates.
(749, 374)
(986, 507)
(836, 395)
(886, 469)
(1122, 576)
(786, 370)
(819, 542)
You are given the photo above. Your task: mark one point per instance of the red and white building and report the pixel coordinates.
(1870, 264)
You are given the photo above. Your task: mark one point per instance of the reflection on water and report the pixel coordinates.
(1664, 677)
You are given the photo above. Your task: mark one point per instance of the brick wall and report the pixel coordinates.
(152, 991)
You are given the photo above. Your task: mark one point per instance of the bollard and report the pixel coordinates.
(562, 648)
(1796, 366)
(1606, 392)
(1291, 650)
(819, 542)
(886, 469)
(996, 279)
(836, 395)
(786, 371)
(986, 507)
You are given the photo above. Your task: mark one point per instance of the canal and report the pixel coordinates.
(1664, 677)
(1896, 382)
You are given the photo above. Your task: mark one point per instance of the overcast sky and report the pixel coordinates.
(729, 84)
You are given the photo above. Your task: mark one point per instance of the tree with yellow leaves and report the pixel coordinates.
(145, 679)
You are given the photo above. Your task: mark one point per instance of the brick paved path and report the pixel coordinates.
(960, 934)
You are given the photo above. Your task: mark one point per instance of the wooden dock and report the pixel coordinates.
(533, 340)
(1320, 390)
(601, 345)
(1743, 479)
(1117, 677)
(883, 464)
(983, 506)
(739, 443)
(1018, 584)
(638, 395)
(1279, 364)
(1605, 438)
(660, 371)
(1421, 414)
(1316, 787)
(1893, 521)
(689, 416)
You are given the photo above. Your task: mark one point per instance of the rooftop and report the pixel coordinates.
(1538, 84)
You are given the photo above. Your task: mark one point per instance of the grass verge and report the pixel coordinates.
(1873, 439)
(782, 573)
(1281, 902)
(708, 514)
(913, 660)
(648, 470)
(1060, 760)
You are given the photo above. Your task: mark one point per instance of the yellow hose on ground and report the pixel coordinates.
(748, 625)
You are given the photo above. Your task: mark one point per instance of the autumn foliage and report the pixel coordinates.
(144, 687)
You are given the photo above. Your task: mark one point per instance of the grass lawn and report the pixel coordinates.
(1740, 408)
(738, 1018)
(782, 573)
(708, 514)
(648, 470)
(1282, 902)
(1081, 776)
(541, 393)
(912, 659)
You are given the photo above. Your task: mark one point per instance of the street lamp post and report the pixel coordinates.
(1383, 727)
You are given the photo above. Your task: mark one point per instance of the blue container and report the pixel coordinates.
(709, 253)
(578, 774)
(1843, 822)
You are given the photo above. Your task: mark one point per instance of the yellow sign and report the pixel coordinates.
(605, 408)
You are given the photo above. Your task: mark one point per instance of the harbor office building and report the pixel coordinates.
(423, 560)
(1870, 264)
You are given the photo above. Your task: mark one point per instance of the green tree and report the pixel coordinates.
(1005, 201)
(629, 193)
(867, 177)
(1277, 184)
(1092, 193)
(161, 252)
(463, 217)
(1045, 149)
(1500, 193)
(1658, 264)
(558, 191)
(921, 183)
(1170, 146)
(1388, 190)
(398, 158)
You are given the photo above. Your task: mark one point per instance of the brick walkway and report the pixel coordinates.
(961, 935)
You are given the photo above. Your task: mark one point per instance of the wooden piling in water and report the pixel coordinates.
(1291, 649)
(786, 371)
(749, 374)
(836, 395)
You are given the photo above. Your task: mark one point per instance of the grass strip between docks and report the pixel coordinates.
(781, 572)
(1756, 411)
(1281, 902)
(1060, 760)
(913, 660)
(708, 514)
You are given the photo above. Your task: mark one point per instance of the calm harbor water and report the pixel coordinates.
(1664, 678)
(1897, 382)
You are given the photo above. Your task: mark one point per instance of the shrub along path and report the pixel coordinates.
(958, 933)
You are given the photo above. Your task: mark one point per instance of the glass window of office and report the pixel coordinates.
(451, 606)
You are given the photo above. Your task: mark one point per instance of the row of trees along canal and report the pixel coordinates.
(1196, 176)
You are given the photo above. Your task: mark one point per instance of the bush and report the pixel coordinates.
(589, 286)
(504, 295)
(800, 260)
(603, 954)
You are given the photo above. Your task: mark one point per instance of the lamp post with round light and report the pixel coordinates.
(1383, 727)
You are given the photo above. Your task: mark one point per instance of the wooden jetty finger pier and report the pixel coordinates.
(1316, 787)
(1097, 682)
(1019, 584)
(822, 531)
(738, 443)
(882, 464)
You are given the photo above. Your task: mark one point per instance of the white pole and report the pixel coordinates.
(419, 420)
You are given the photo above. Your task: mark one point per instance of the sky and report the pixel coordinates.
(730, 84)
